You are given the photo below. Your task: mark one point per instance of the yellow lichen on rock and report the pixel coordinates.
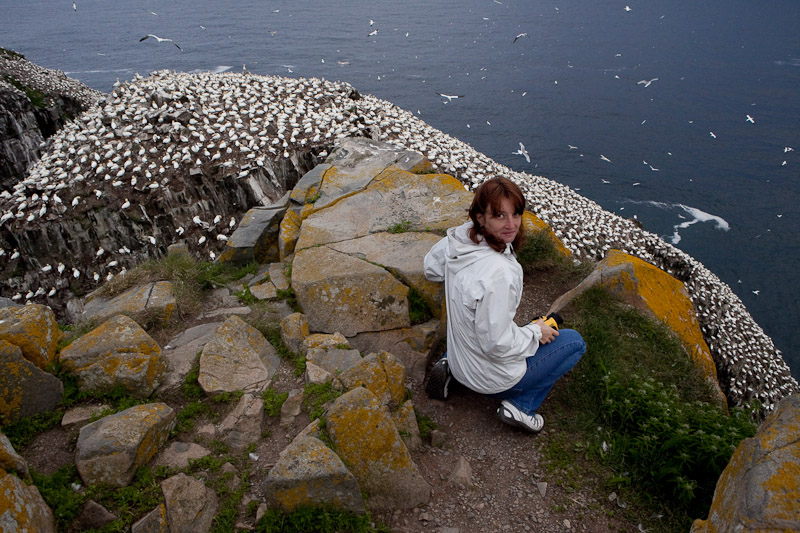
(533, 224)
(34, 329)
(288, 233)
(22, 508)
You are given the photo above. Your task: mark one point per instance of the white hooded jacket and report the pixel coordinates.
(486, 350)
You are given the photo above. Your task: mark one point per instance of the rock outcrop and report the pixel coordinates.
(34, 103)
(109, 450)
(117, 353)
(25, 390)
(759, 490)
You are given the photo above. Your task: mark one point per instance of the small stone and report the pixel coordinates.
(567, 524)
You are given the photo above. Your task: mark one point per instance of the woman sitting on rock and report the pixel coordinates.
(486, 350)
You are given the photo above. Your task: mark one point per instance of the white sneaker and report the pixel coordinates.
(514, 417)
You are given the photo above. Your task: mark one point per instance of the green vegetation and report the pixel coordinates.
(418, 310)
(538, 253)
(190, 278)
(317, 520)
(663, 440)
(400, 227)
(38, 99)
(272, 333)
(246, 297)
(317, 396)
(273, 401)
(425, 424)
(290, 297)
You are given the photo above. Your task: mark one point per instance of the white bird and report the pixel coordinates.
(713, 135)
(757, 292)
(627, 8)
(518, 36)
(572, 147)
(201, 240)
(99, 252)
(788, 149)
(180, 230)
(450, 97)
(76, 273)
(52, 292)
(47, 268)
(217, 219)
(75, 201)
(61, 268)
(604, 181)
(604, 158)
(232, 223)
(161, 40)
(523, 152)
(126, 204)
(221, 237)
(372, 33)
(750, 119)
(646, 83)
(196, 220)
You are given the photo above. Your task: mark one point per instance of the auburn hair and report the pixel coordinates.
(487, 200)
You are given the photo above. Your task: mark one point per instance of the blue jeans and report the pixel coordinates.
(550, 362)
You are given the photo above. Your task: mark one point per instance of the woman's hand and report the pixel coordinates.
(548, 334)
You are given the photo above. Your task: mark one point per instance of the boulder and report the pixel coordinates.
(81, 415)
(394, 201)
(178, 454)
(22, 508)
(190, 505)
(380, 373)
(653, 291)
(256, 237)
(153, 522)
(294, 329)
(292, 407)
(759, 490)
(93, 516)
(264, 291)
(345, 294)
(402, 254)
(366, 439)
(277, 275)
(25, 389)
(316, 375)
(237, 358)
(141, 303)
(118, 352)
(410, 345)
(325, 341)
(111, 449)
(11, 461)
(333, 360)
(34, 329)
(244, 424)
(308, 473)
(405, 418)
(181, 353)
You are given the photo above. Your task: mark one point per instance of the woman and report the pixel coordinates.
(486, 350)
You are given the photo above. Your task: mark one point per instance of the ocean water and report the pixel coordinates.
(685, 115)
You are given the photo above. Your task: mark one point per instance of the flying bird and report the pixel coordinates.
(450, 97)
(372, 33)
(518, 36)
(604, 158)
(161, 40)
(523, 152)
(750, 119)
(646, 83)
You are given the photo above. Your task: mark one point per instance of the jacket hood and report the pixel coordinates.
(462, 252)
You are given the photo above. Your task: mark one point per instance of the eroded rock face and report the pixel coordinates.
(111, 449)
(759, 490)
(118, 352)
(367, 440)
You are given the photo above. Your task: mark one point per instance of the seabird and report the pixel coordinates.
(712, 134)
(161, 40)
(450, 97)
(523, 152)
(750, 119)
(646, 83)
(604, 158)
(518, 36)
(372, 33)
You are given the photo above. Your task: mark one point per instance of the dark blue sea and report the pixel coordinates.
(695, 105)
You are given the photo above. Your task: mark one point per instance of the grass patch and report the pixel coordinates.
(290, 297)
(663, 440)
(190, 278)
(272, 333)
(317, 520)
(273, 401)
(38, 99)
(400, 227)
(317, 396)
(426, 425)
(539, 252)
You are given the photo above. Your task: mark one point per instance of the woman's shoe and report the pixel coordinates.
(514, 417)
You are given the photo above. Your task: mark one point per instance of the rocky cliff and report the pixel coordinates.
(34, 104)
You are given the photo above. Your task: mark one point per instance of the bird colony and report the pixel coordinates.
(149, 137)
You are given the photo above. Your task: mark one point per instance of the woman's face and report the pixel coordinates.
(503, 225)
